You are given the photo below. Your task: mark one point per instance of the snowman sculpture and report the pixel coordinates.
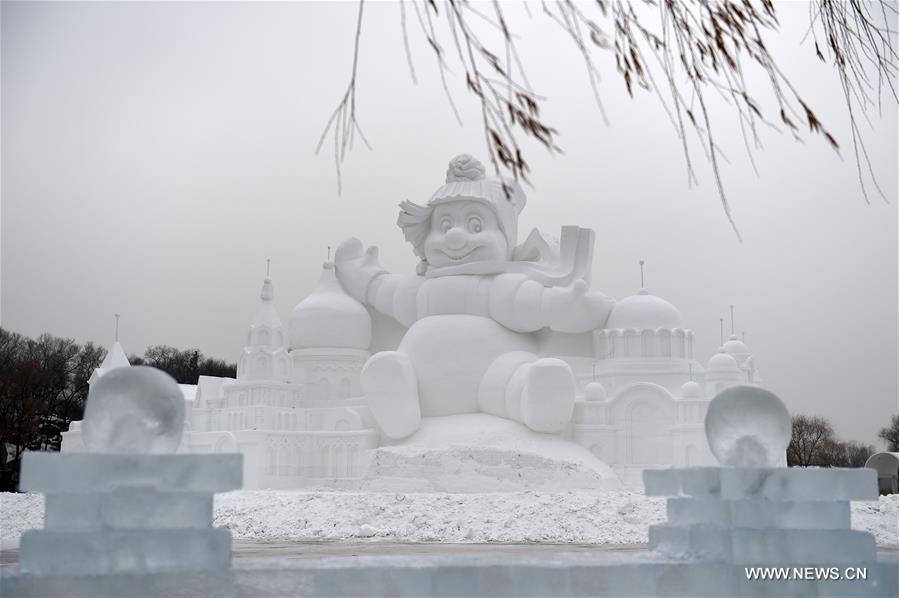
(473, 309)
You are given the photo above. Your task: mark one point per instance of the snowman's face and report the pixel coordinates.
(464, 231)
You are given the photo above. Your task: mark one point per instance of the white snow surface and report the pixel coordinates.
(611, 517)
(480, 453)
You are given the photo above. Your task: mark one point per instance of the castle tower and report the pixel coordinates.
(265, 355)
(115, 358)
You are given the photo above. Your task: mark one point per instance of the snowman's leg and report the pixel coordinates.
(545, 395)
(391, 392)
(493, 388)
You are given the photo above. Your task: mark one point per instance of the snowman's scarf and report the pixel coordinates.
(549, 263)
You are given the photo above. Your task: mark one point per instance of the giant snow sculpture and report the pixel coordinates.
(456, 342)
(128, 518)
(473, 308)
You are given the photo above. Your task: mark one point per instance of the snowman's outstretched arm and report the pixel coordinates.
(365, 280)
(525, 305)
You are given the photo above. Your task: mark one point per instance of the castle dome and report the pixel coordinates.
(594, 391)
(644, 311)
(329, 318)
(735, 347)
(691, 390)
(721, 362)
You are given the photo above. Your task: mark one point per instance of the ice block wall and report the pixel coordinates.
(112, 513)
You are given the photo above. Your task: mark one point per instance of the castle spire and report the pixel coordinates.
(732, 333)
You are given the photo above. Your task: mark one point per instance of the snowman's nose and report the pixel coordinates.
(455, 238)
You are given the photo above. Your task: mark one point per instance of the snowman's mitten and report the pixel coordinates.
(355, 269)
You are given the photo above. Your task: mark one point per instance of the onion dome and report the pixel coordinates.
(594, 391)
(644, 311)
(329, 318)
(736, 349)
(722, 363)
(691, 390)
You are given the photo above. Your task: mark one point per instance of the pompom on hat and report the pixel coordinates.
(465, 180)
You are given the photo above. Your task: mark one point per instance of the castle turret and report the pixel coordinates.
(265, 356)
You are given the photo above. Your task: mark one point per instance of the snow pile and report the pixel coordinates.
(569, 517)
(479, 470)
(881, 518)
(478, 453)
(614, 517)
(19, 512)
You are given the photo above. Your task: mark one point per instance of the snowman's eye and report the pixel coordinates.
(446, 223)
(475, 225)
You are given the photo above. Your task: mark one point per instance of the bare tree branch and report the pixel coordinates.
(696, 46)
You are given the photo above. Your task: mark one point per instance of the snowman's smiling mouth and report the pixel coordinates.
(460, 257)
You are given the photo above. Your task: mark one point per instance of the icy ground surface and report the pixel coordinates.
(611, 517)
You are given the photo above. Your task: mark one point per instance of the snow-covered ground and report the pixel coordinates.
(611, 517)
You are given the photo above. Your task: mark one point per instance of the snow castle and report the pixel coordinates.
(487, 334)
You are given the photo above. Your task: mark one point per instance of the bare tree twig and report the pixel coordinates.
(343, 119)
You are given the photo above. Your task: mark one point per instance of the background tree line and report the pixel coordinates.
(44, 385)
(814, 444)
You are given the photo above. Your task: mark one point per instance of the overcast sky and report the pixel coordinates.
(154, 155)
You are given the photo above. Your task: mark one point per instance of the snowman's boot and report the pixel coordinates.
(546, 400)
(391, 392)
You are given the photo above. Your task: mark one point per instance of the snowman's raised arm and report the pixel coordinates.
(365, 280)
(524, 305)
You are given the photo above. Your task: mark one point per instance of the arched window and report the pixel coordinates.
(269, 461)
(690, 456)
(649, 345)
(298, 460)
(665, 343)
(283, 461)
(340, 464)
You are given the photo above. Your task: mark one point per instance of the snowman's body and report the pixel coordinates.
(454, 341)
(451, 355)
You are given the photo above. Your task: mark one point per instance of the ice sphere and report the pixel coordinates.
(748, 426)
(135, 409)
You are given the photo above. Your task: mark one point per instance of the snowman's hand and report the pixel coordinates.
(355, 269)
(576, 309)
(349, 250)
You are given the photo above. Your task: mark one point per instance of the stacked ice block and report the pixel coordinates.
(112, 514)
(762, 515)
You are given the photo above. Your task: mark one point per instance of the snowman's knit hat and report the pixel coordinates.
(465, 180)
